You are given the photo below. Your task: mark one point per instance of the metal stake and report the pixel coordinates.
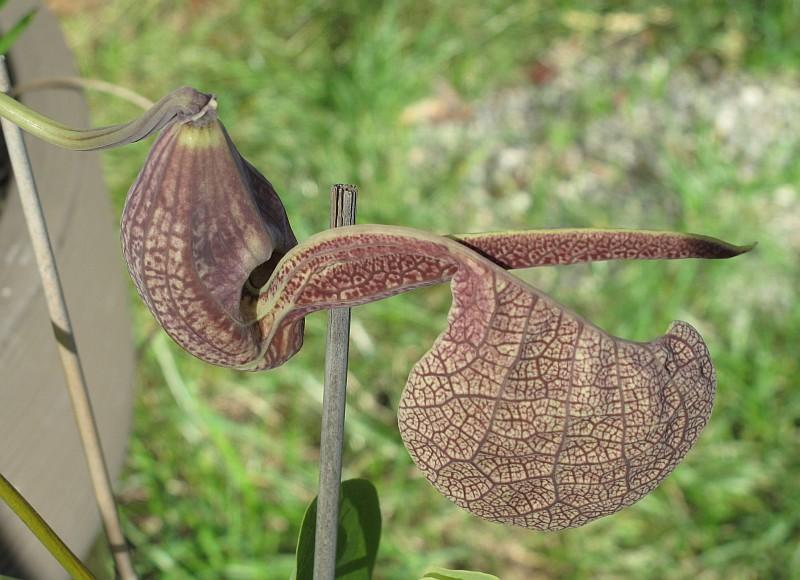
(343, 213)
(65, 339)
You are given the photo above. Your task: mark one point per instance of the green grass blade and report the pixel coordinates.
(49, 539)
(9, 38)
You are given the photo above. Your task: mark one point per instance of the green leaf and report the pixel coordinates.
(10, 37)
(442, 574)
(359, 533)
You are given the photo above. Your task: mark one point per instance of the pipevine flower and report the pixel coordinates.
(521, 412)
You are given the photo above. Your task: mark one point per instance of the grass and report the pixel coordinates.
(223, 464)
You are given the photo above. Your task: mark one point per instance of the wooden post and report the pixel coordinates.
(62, 330)
(343, 213)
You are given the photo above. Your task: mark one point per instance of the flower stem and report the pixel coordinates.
(343, 213)
(183, 103)
(49, 539)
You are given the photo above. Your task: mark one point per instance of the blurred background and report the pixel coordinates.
(461, 117)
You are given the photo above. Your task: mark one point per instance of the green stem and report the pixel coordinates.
(182, 104)
(20, 506)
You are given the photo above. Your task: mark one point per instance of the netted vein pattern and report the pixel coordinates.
(525, 414)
